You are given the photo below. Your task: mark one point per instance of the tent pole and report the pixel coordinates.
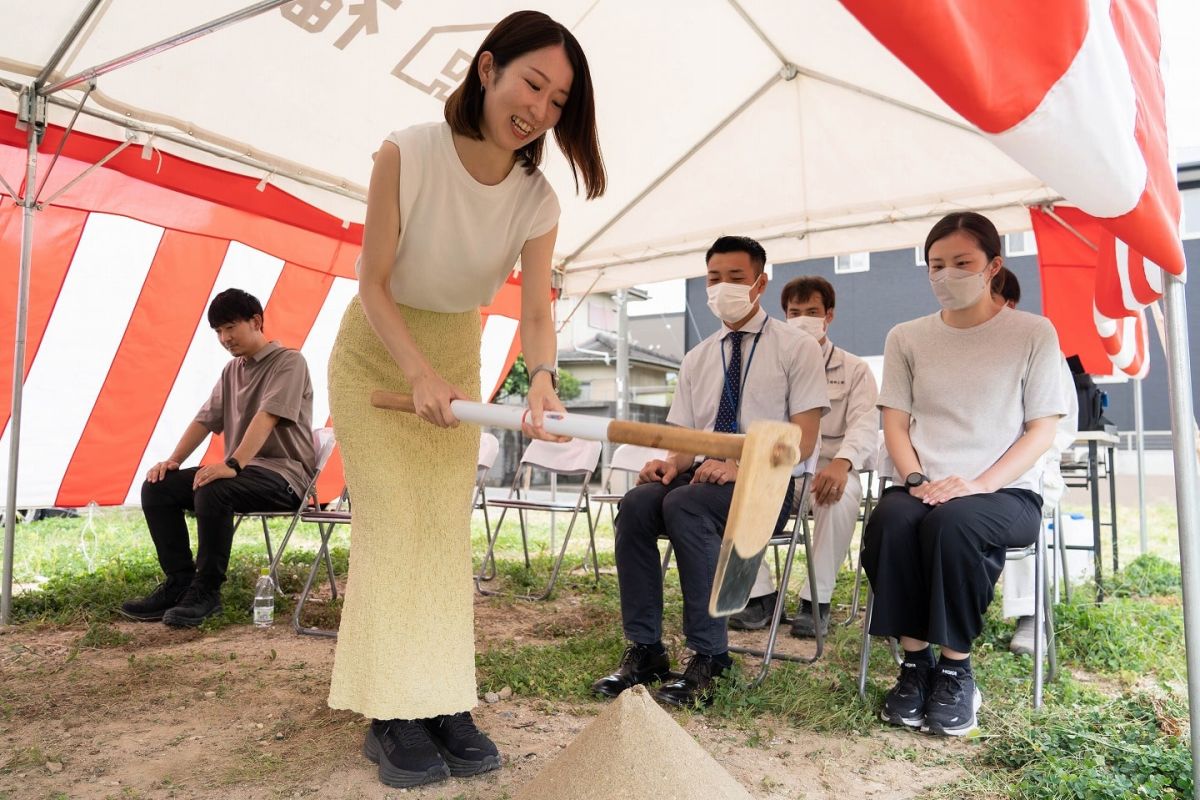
(166, 44)
(1140, 440)
(52, 63)
(34, 127)
(1179, 385)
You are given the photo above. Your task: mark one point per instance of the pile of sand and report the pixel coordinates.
(634, 749)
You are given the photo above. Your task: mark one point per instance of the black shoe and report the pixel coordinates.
(639, 664)
(197, 604)
(405, 753)
(152, 607)
(904, 704)
(466, 749)
(953, 702)
(695, 685)
(802, 624)
(756, 615)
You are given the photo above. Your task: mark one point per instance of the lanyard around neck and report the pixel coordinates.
(737, 410)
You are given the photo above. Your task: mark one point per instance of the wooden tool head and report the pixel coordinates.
(771, 451)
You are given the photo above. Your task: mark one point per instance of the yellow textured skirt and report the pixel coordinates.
(406, 646)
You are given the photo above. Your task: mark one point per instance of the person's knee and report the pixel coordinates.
(685, 500)
(213, 498)
(156, 494)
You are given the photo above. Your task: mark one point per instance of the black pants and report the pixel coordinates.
(933, 569)
(692, 517)
(164, 502)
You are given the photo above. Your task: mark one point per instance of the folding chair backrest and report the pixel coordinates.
(632, 457)
(884, 467)
(576, 457)
(489, 448)
(323, 444)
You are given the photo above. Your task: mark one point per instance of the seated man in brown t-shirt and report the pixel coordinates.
(263, 406)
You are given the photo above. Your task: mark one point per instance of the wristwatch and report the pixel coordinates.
(233, 464)
(549, 370)
(915, 479)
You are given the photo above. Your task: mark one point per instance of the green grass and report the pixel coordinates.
(1127, 740)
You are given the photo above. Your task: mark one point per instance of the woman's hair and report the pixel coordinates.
(979, 227)
(517, 34)
(802, 288)
(1005, 284)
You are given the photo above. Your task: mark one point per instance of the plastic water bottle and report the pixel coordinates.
(264, 600)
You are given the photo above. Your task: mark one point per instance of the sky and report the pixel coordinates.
(1180, 21)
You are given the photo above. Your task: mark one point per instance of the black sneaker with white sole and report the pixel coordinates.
(954, 700)
(405, 753)
(466, 749)
(904, 703)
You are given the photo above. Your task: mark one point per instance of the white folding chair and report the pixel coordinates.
(628, 460)
(799, 532)
(489, 448)
(576, 458)
(323, 444)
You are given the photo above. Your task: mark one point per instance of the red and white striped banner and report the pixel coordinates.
(119, 354)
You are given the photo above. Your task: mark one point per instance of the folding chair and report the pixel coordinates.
(878, 476)
(574, 459)
(489, 448)
(627, 459)
(323, 444)
(799, 532)
(1043, 621)
(326, 520)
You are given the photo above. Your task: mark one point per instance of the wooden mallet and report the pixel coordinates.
(766, 456)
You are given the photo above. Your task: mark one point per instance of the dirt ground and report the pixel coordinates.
(241, 714)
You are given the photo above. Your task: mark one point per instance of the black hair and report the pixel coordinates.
(802, 288)
(1005, 284)
(739, 244)
(233, 305)
(979, 227)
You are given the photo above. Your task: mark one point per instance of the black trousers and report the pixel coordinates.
(692, 517)
(164, 504)
(933, 569)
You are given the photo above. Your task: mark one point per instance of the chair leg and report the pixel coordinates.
(812, 582)
(490, 556)
(1048, 630)
(270, 553)
(666, 559)
(1039, 590)
(297, 626)
(1060, 543)
(524, 537)
(562, 553)
(592, 537)
(333, 593)
(487, 528)
(864, 653)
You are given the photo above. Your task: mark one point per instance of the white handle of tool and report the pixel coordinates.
(579, 426)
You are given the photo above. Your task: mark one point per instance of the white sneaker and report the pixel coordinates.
(1022, 640)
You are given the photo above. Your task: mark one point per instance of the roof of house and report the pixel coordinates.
(594, 350)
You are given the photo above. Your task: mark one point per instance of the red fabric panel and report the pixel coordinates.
(186, 177)
(294, 304)
(163, 323)
(56, 233)
(991, 62)
(1152, 227)
(1068, 270)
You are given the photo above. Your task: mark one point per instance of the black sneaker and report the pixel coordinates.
(904, 704)
(152, 607)
(466, 749)
(953, 702)
(197, 604)
(639, 664)
(695, 685)
(405, 753)
(756, 615)
(802, 624)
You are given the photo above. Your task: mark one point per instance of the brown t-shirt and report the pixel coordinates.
(275, 380)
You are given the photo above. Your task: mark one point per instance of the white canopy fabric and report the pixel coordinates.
(788, 121)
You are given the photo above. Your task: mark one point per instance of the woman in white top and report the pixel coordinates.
(969, 401)
(450, 208)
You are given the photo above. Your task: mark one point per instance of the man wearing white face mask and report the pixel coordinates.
(849, 442)
(753, 368)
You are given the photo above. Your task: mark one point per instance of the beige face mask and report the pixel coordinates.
(956, 289)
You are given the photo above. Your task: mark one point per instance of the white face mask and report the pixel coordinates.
(813, 326)
(730, 301)
(956, 289)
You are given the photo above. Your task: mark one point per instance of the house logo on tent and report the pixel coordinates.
(314, 16)
(439, 60)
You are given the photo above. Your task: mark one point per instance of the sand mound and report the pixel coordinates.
(634, 749)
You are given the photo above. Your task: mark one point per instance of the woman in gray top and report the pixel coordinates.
(969, 402)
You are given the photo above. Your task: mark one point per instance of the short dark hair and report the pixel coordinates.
(978, 226)
(517, 34)
(739, 244)
(233, 305)
(802, 288)
(1005, 284)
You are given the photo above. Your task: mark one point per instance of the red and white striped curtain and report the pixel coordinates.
(119, 355)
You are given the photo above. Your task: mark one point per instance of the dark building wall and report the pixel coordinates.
(894, 290)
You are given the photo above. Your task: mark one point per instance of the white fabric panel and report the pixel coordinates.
(1087, 117)
(498, 333)
(319, 343)
(93, 309)
(243, 268)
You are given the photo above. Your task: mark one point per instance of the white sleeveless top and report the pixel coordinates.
(459, 238)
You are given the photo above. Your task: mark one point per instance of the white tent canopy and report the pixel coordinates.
(783, 121)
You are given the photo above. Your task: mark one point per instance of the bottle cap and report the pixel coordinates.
(265, 571)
